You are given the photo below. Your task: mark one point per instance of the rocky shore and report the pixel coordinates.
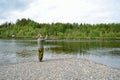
(59, 69)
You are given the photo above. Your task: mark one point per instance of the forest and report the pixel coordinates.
(27, 28)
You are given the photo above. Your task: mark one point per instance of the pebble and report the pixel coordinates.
(59, 69)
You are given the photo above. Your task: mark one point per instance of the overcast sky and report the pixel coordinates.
(48, 11)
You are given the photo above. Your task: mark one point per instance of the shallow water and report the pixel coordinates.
(104, 52)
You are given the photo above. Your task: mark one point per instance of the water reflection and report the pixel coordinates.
(115, 52)
(25, 53)
(82, 48)
(105, 52)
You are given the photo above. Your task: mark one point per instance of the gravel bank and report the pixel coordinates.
(61, 69)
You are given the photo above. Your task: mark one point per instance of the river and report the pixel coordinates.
(105, 52)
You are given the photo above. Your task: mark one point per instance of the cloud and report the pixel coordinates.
(48, 11)
(8, 6)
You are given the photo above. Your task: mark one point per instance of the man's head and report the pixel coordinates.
(40, 36)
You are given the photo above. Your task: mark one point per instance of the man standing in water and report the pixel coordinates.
(41, 46)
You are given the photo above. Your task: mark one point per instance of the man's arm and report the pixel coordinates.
(46, 37)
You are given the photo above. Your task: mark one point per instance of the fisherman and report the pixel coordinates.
(41, 46)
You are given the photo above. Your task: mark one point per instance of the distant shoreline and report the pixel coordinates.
(95, 38)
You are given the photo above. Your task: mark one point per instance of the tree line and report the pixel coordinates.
(27, 28)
